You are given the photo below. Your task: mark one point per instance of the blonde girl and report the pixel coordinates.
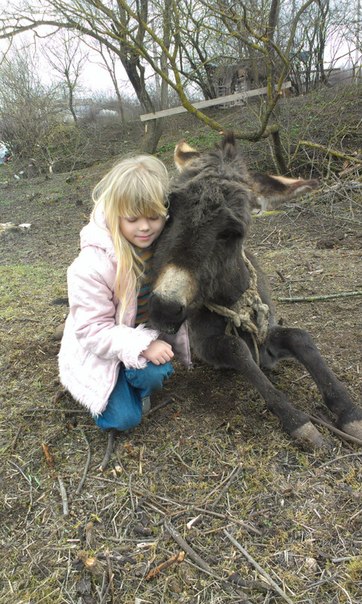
(110, 360)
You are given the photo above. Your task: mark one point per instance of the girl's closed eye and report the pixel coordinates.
(135, 218)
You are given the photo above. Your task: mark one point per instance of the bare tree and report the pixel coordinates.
(28, 108)
(153, 37)
(67, 57)
(109, 61)
(120, 28)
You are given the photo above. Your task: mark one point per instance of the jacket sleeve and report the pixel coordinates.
(93, 312)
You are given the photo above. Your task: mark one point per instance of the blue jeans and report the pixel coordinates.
(124, 407)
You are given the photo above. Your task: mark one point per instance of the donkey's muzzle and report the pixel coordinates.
(165, 315)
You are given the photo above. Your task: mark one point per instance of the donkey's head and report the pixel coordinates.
(197, 258)
(269, 191)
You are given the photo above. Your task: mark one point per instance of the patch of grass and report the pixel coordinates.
(165, 148)
(22, 285)
(200, 141)
(204, 140)
(354, 569)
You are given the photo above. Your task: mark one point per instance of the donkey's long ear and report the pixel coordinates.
(272, 190)
(229, 146)
(184, 154)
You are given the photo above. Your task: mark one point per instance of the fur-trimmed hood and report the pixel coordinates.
(96, 233)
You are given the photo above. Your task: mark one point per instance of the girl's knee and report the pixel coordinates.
(156, 374)
(151, 377)
(123, 419)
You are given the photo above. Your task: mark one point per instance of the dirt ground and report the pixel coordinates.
(265, 521)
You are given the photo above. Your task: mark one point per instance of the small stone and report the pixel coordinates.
(311, 564)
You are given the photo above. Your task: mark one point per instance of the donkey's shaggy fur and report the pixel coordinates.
(199, 262)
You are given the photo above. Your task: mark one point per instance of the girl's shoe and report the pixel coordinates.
(146, 405)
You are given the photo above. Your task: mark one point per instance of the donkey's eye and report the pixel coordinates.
(228, 234)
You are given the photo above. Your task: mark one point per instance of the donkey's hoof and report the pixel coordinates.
(351, 423)
(353, 429)
(307, 434)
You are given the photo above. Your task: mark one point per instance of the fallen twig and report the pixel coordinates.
(260, 570)
(349, 170)
(228, 516)
(263, 214)
(51, 410)
(58, 395)
(63, 494)
(325, 297)
(236, 579)
(345, 559)
(177, 558)
(28, 480)
(86, 467)
(15, 439)
(103, 591)
(225, 485)
(329, 151)
(187, 548)
(167, 401)
(344, 435)
(110, 575)
(109, 450)
(13, 443)
(327, 463)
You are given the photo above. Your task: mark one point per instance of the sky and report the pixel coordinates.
(94, 77)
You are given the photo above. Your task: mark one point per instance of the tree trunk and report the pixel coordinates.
(153, 133)
(135, 72)
(278, 152)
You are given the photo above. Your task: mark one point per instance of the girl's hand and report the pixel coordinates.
(158, 352)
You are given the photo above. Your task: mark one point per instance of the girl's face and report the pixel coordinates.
(142, 231)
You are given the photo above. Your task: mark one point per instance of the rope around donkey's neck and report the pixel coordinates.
(249, 312)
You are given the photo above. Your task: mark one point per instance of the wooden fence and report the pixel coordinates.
(221, 100)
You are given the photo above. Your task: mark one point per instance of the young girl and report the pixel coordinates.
(110, 360)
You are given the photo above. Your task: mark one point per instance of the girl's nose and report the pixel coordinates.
(145, 225)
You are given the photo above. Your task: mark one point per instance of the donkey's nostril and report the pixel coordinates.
(164, 308)
(178, 309)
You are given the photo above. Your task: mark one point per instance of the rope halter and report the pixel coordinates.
(249, 312)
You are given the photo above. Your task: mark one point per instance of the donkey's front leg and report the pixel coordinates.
(291, 342)
(231, 352)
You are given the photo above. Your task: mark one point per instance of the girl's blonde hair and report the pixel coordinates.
(135, 187)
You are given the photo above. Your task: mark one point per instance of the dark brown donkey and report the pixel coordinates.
(205, 277)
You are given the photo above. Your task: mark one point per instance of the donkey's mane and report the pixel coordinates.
(216, 179)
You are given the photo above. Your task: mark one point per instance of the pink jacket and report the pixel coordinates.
(94, 342)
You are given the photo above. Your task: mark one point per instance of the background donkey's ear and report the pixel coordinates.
(229, 146)
(272, 190)
(184, 154)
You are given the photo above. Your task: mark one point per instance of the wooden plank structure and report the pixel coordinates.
(221, 100)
